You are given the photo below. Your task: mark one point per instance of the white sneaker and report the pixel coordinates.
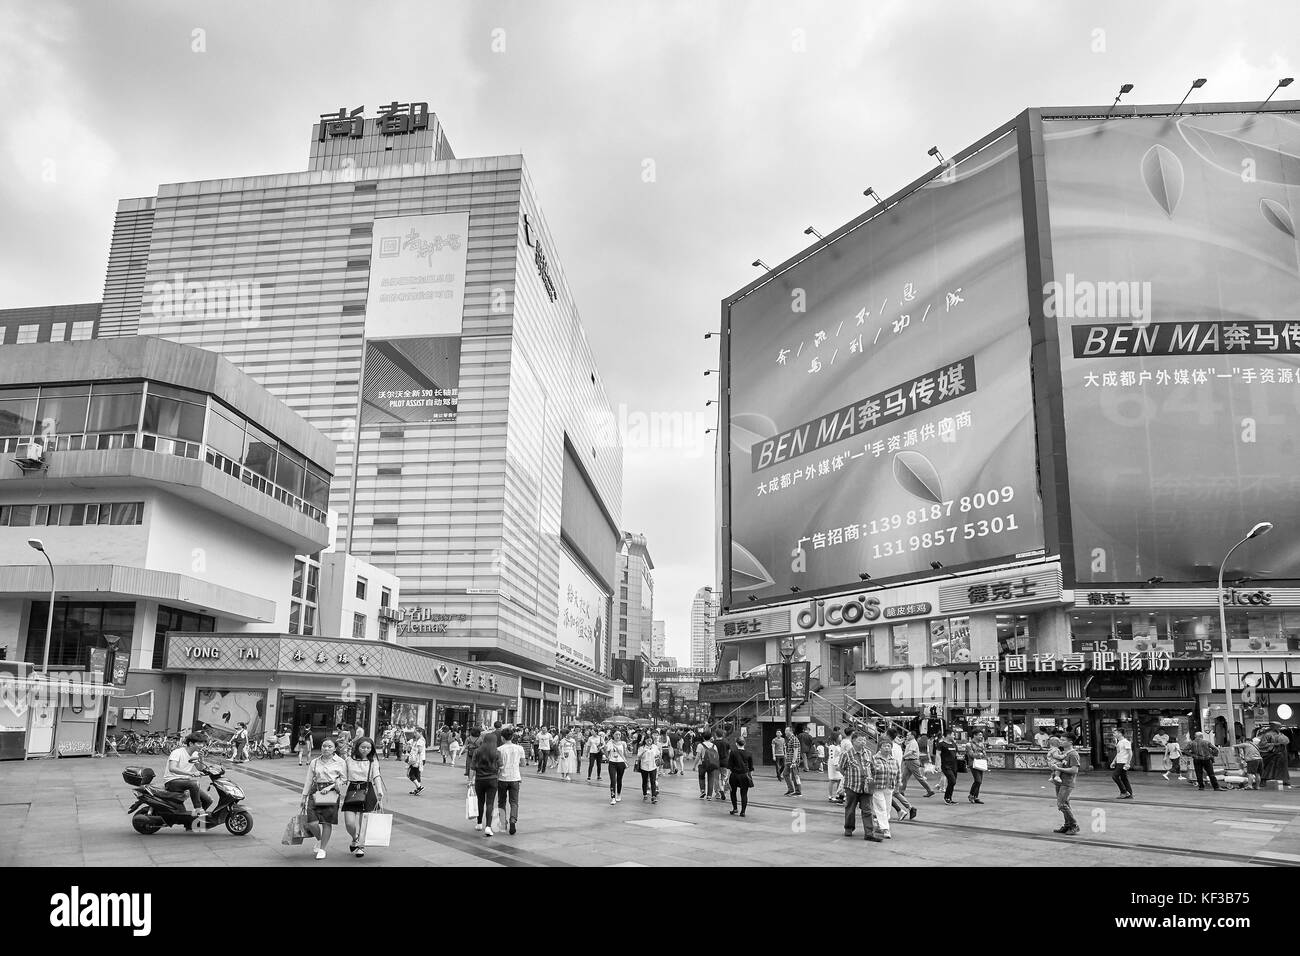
(1165, 775)
(619, 798)
(320, 854)
(478, 826)
(487, 831)
(613, 800)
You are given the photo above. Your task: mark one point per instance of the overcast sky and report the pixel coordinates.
(671, 143)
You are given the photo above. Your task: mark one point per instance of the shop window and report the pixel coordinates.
(949, 640)
(174, 619)
(899, 648)
(1091, 631)
(1014, 635)
(77, 628)
(1256, 632)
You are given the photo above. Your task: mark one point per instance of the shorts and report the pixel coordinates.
(1255, 766)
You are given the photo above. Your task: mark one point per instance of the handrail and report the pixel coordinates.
(735, 710)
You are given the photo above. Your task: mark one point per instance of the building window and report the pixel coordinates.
(949, 640)
(1014, 636)
(173, 619)
(313, 580)
(361, 589)
(77, 628)
(383, 629)
(295, 616)
(27, 334)
(81, 331)
(622, 608)
(299, 571)
(71, 515)
(308, 620)
(58, 331)
(359, 626)
(899, 648)
(385, 597)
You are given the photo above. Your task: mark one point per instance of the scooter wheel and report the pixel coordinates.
(239, 822)
(146, 824)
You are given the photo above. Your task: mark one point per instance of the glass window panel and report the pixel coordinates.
(297, 578)
(259, 452)
(1255, 632)
(17, 411)
(115, 408)
(43, 514)
(172, 419)
(308, 620)
(316, 488)
(290, 470)
(105, 514)
(1091, 631)
(1195, 635)
(295, 615)
(949, 640)
(900, 650)
(62, 410)
(127, 512)
(313, 574)
(226, 433)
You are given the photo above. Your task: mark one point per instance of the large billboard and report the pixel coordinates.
(581, 624)
(1176, 298)
(881, 413)
(413, 319)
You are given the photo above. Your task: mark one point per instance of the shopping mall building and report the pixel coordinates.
(410, 306)
(986, 446)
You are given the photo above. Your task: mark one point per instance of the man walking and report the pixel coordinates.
(805, 749)
(947, 751)
(778, 754)
(508, 780)
(1203, 754)
(543, 749)
(724, 761)
(1273, 745)
(855, 768)
(1066, 774)
(912, 766)
(793, 785)
(1123, 757)
(884, 778)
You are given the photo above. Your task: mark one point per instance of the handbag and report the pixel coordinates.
(471, 805)
(376, 829)
(325, 798)
(295, 831)
(979, 763)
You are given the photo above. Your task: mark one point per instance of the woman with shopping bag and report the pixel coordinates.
(364, 793)
(321, 793)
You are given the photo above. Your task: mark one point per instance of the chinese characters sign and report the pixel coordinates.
(581, 623)
(934, 459)
(1096, 661)
(393, 119)
(1175, 297)
(1038, 586)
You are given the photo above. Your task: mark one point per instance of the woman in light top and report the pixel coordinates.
(833, 776)
(647, 764)
(365, 791)
(324, 776)
(616, 757)
(568, 757)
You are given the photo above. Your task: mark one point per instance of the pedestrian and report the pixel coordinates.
(1273, 747)
(364, 793)
(947, 753)
(471, 745)
(707, 765)
(343, 739)
(321, 793)
(793, 785)
(805, 749)
(444, 743)
(1173, 757)
(912, 766)
(724, 756)
(1067, 773)
(742, 775)
(855, 768)
(647, 764)
(543, 749)
(568, 756)
(595, 756)
(674, 751)
(239, 744)
(899, 802)
(510, 778)
(884, 778)
(1252, 762)
(456, 747)
(1203, 754)
(976, 762)
(665, 752)
(778, 754)
(616, 758)
(415, 762)
(304, 745)
(487, 770)
(833, 776)
(1120, 764)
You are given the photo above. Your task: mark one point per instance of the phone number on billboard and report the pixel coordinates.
(941, 536)
(937, 512)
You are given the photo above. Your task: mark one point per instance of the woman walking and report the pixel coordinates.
(833, 775)
(976, 762)
(666, 752)
(616, 757)
(647, 764)
(487, 769)
(415, 762)
(741, 765)
(568, 757)
(595, 755)
(321, 793)
(365, 791)
(304, 745)
(456, 747)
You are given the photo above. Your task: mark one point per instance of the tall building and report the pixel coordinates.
(634, 609)
(412, 306)
(704, 617)
(658, 640)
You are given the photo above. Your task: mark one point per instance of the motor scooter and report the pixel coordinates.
(155, 807)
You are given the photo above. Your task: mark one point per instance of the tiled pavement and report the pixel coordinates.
(73, 812)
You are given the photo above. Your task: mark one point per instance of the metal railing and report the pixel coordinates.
(733, 714)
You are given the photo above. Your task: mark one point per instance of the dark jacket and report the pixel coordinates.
(485, 766)
(947, 755)
(725, 747)
(739, 761)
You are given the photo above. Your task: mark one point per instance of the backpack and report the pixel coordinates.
(709, 759)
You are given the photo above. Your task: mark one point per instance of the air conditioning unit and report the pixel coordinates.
(30, 455)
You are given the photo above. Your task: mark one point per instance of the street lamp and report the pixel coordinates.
(787, 652)
(49, 618)
(1264, 527)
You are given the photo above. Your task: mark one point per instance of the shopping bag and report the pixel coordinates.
(292, 833)
(471, 805)
(376, 829)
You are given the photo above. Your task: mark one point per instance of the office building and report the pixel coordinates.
(634, 610)
(704, 617)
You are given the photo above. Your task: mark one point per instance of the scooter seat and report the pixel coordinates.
(174, 796)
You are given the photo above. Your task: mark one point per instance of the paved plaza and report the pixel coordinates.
(72, 812)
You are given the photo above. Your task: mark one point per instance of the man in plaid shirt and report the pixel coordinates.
(884, 778)
(855, 767)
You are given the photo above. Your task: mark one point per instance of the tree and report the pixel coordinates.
(597, 711)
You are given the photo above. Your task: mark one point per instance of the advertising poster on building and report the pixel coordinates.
(222, 711)
(413, 325)
(1175, 293)
(580, 628)
(881, 409)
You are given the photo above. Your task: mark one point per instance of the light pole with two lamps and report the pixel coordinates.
(1264, 527)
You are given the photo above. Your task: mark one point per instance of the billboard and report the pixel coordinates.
(581, 626)
(413, 319)
(1175, 295)
(881, 413)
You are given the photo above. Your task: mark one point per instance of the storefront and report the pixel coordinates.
(278, 680)
(1265, 689)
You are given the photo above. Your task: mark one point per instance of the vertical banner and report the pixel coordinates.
(414, 309)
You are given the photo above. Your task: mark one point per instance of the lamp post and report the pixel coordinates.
(787, 652)
(49, 618)
(1264, 527)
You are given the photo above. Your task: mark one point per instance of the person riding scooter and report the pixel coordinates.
(183, 776)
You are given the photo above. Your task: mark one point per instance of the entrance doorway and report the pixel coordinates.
(326, 715)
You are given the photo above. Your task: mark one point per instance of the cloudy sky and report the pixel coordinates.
(672, 143)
